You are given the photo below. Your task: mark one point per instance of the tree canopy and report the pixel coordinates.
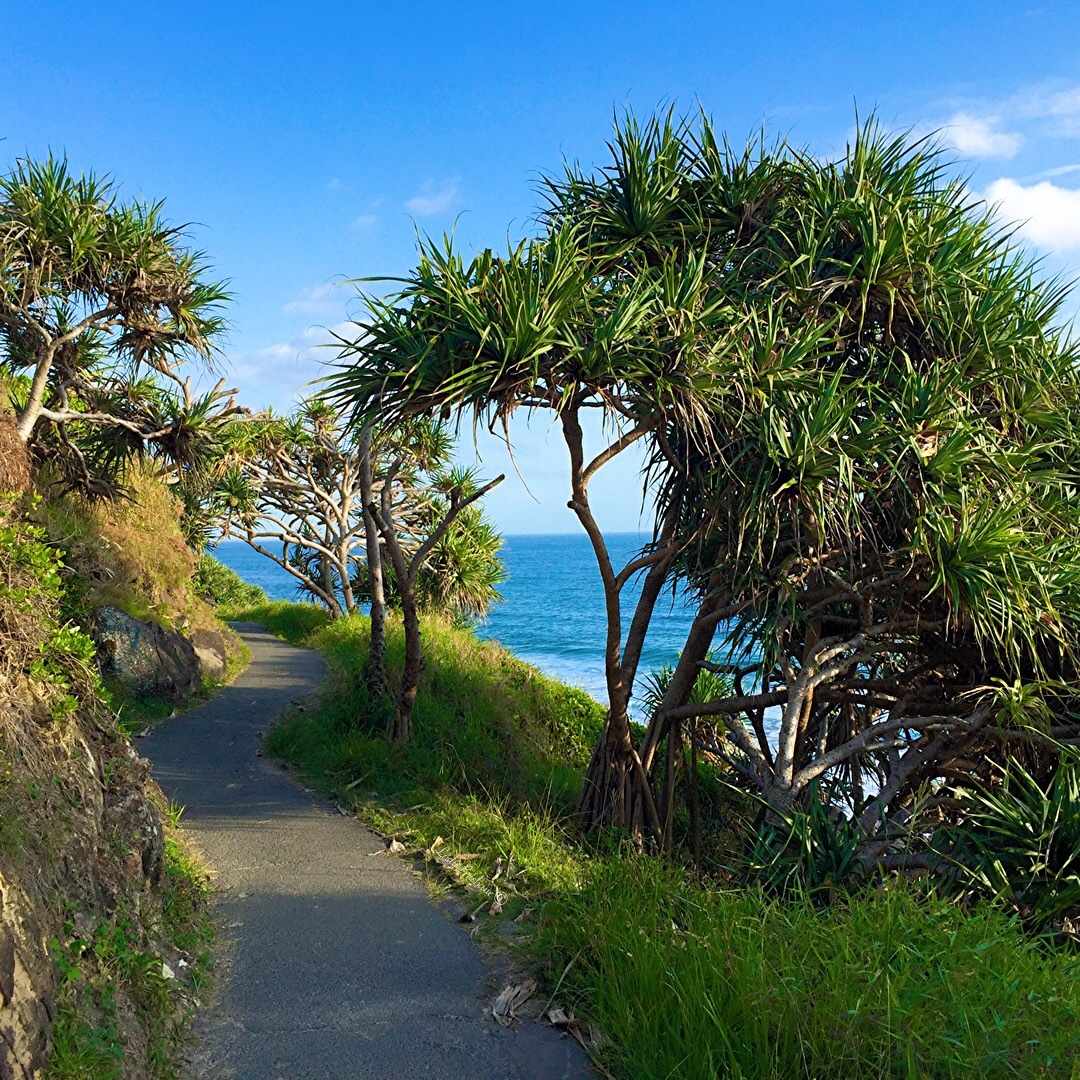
(101, 304)
(859, 409)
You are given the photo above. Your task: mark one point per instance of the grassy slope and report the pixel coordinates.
(88, 917)
(683, 978)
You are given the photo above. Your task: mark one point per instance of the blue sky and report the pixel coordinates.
(306, 144)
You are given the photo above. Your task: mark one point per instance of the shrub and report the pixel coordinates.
(1019, 844)
(221, 586)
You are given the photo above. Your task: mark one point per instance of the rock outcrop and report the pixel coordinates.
(146, 658)
(212, 651)
(28, 980)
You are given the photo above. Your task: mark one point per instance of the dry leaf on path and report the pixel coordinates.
(395, 847)
(510, 998)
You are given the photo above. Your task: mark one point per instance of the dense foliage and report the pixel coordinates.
(859, 410)
(100, 307)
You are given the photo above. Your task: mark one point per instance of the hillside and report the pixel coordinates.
(104, 936)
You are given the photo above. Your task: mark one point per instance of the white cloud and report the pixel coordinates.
(276, 374)
(1045, 214)
(434, 199)
(364, 221)
(979, 136)
(1060, 105)
(1050, 174)
(326, 299)
(336, 185)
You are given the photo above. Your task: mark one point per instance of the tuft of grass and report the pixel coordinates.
(686, 980)
(222, 586)
(490, 846)
(294, 623)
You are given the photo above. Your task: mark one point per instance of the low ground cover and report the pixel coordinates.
(110, 978)
(681, 974)
(105, 925)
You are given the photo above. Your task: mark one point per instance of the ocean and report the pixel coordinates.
(552, 612)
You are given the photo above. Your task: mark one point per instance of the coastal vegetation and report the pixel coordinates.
(100, 895)
(844, 840)
(101, 306)
(378, 514)
(105, 933)
(859, 412)
(666, 972)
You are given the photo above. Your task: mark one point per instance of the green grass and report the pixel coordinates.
(115, 973)
(112, 971)
(688, 981)
(485, 722)
(682, 978)
(291, 622)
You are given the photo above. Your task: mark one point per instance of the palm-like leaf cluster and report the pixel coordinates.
(100, 305)
(860, 411)
(292, 488)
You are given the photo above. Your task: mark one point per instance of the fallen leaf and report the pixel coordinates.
(355, 783)
(342, 811)
(525, 913)
(142, 734)
(567, 1022)
(496, 905)
(510, 998)
(468, 857)
(395, 847)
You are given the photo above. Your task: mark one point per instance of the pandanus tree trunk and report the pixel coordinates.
(377, 676)
(406, 570)
(617, 791)
(664, 737)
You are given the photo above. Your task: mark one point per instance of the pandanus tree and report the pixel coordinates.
(438, 522)
(887, 522)
(611, 312)
(859, 420)
(101, 305)
(295, 483)
(376, 515)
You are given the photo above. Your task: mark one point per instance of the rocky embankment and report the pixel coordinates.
(91, 909)
(82, 841)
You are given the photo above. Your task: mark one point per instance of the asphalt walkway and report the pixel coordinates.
(337, 964)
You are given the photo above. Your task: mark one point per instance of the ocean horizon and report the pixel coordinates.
(552, 611)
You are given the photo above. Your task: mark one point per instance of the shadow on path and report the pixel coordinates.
(339, 966)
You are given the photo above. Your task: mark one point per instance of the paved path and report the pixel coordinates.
(338, 965)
